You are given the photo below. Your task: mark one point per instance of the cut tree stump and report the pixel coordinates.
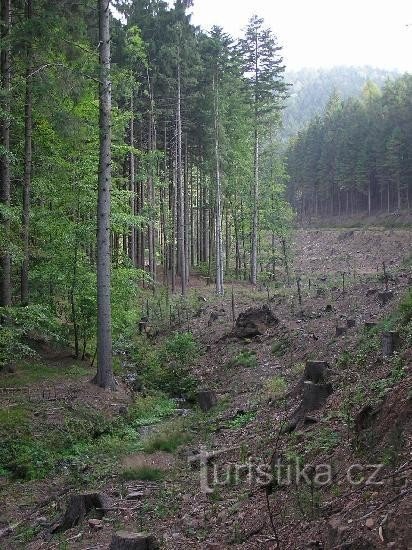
(369, 325)
(315, 395)
(341, 331)
(315, 371)
(126, 540)
(390, 343)
(206, 399)
(79, 506)
(351, 323)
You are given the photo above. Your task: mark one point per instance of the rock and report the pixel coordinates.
(95, 524)
(371, 291)
(370, 524)
(79, 506)
(390, 343)
(125, 540)
(315, 371)
(254, 322)
(206, 399)
(315, 395)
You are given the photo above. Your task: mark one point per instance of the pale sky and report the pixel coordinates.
(324, 33)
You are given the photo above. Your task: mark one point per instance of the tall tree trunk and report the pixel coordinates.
(132, 183)
(5, 260)
(180, 191)
(28, 132)
(104, 377)
(255, 191)
(218, 213)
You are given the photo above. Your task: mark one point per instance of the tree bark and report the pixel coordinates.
(104, 377)
(255, 191)
(218, 217)
(180, 194)
(28, 133)
(5, 260)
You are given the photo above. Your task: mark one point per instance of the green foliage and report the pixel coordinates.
(242, 420)
(323, 439)
(21, 324)
(168, 369)
(168, 440)
(85, 437)
(281, 346)
(275, 387)
(246, 358)
(142, 473)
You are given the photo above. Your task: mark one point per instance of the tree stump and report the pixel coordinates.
(315, 371)
(340, 331)
(125, 540)
(315, 395)
(206, 399)
(79, 506)
(369, 325)
(390, 343)
(351, 323)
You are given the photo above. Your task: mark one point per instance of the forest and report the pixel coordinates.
(205, 286)
(193, 123)
(356, 156)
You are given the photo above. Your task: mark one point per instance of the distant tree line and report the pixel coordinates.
(357, 156)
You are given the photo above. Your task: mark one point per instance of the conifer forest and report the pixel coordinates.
(205, 285)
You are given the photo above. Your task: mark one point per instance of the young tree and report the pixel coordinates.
(104, 377)
(264, 70)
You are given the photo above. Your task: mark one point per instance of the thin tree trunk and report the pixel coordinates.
(218, 217)
(255, 192)
(104, 377)
(180, 192)
(132, 183)
(5, 260)
(28, 132)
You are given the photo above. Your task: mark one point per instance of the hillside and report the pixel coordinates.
(140, 449)
(312, 88)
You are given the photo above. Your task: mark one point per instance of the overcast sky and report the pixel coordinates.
(323, 33)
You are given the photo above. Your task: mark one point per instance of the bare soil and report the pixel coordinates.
(250, 417)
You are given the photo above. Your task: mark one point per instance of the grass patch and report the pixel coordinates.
(322, 439)
(31, 372)
(275, 387)
(245, 358)
(143, 473)
(85, 437)
(280, 347)
(241, 420)
(168, 440)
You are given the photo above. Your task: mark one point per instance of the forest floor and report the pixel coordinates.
(153, 476)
